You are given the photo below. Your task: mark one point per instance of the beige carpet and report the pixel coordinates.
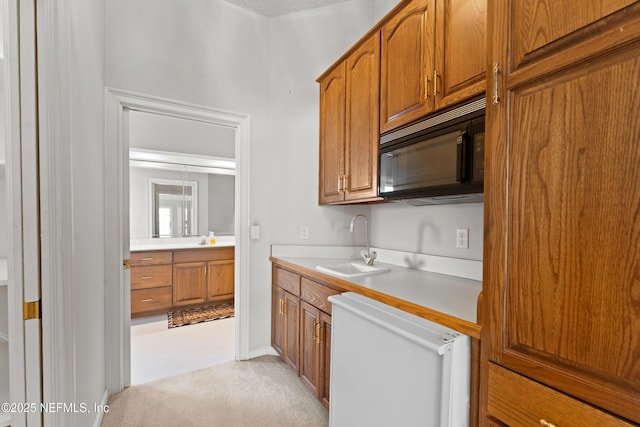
(262, 392)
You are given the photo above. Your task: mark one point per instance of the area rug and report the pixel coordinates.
(190, 316)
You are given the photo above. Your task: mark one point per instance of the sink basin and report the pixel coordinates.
(351, 269)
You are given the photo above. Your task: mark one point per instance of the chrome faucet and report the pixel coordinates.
(367, 255)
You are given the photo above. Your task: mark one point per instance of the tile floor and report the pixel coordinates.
(158, 352)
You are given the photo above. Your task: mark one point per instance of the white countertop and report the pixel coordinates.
(4, 275)
(179, 243)
(445, 293)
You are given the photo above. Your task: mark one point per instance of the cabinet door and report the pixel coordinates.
(325, 358)
(362, 120)
(277, 320)
(220, 279)
(292, 331)
(562, 200)
(332, 121)
(461, 54)
(189, 280)
(407, 59)
(310, 346)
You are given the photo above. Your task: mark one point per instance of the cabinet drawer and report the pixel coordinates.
(199, 255)
(287, 280)
(151, 258)
(151, 277)
(518, 401)
(317, 294)
(148, 300)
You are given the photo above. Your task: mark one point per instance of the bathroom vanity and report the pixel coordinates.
(166, 279)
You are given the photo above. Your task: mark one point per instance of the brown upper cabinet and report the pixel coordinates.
(562, 201)
(423, 56)
(349, 133)
(433, 55)
(460, 69)
(406, 66)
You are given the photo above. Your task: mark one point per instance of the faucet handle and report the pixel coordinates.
(368, 257)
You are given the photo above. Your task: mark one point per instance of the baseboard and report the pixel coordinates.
(105, 408)
(262, 351)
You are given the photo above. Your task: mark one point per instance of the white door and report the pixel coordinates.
(21, 174)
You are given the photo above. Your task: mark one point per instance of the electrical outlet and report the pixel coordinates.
(462, 238)
(255, 232)
(304, 232)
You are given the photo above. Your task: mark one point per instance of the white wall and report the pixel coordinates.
(163, 133)
(86, 103)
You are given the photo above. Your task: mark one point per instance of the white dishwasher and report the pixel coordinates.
(391, 368)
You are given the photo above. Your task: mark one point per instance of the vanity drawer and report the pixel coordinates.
(148, 300)
(517, 401)
(151, 276)
(317, 294)
(286, 280)
(151, 258)
(199, 255)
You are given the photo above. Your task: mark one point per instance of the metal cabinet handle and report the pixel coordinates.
(319, 332)
(147, 277)
(426, 86)
(147, 300)
(146, 259)
(546, 423)
(496, 98)
(435, 82)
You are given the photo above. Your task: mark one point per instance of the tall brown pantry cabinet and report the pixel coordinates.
(562, 214)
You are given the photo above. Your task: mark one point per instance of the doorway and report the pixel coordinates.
(182, 187)
(119, 105)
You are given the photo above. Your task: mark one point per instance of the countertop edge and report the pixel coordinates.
(468, 328)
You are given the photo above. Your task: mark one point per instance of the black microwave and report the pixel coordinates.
(438, 160)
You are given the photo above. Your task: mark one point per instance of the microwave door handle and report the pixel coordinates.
(460, 148)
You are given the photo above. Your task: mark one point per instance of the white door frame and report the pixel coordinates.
(117, 105)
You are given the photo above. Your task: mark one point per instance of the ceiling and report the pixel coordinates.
(281, 7)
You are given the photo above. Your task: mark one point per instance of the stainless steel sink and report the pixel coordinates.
(351, 269)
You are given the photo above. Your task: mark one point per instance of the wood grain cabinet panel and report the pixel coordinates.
(349, 131)
(292, 331)
(190, 276)
(562, 200)
(301, 329)
(325, 358)
(277, 319)
(220, 280)
(285, 317)
(332, 138)
(433, 56)
(189, 283)
(151, 300)
(518, 401)
(406, 65)
(461, 53)
(310, 347)
(146, 258)
(151, 276)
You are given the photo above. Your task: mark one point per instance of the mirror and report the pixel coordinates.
(180, 183)
(173, 208)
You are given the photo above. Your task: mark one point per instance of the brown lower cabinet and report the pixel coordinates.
(167, 279)
(301, 328)
(519, 401)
